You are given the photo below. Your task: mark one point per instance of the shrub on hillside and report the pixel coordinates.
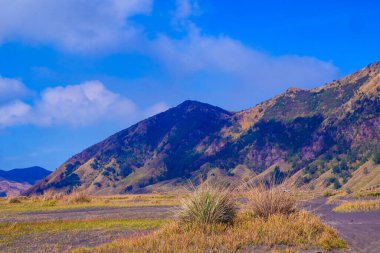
(208, 205)
(376, 156)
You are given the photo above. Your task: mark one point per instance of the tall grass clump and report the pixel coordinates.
(208, 205)
(266, 199)
(51, 195)
(14, 200)
(78, 197)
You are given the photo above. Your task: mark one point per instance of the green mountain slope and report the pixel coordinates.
(300, 134)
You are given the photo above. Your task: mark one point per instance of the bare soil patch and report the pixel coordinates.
(361, 230)
(68, 240)
(136, 212)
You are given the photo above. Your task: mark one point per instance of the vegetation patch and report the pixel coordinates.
(359, 206)
(264, 201)
(58, 201)
(208, 205)
(12, 231)
(209, 221)
(300, 230)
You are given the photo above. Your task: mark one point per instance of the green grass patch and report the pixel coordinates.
(13, 231)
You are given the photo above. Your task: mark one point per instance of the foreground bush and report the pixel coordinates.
(266, 200)
(75, 197)
(208, 205)
(14, 200)
(78, 197)
(297, 230)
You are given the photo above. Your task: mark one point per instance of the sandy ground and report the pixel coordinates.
(360, 229)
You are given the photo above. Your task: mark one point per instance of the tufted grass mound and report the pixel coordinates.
(208, 205)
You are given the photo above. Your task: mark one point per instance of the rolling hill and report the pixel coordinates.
(317, 138)
(14, 182)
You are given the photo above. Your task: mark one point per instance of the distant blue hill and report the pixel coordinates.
(29, 175)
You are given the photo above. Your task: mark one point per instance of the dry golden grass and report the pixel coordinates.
(271, 219)
(14, 200)
(78, 197)
(208, 205)
(357, 206)
(264, 200)
(49, 195)
(74, 197)
(53, 201)
(299, 230)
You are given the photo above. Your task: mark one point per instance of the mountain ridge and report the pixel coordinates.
(15, 181)
(188, 141)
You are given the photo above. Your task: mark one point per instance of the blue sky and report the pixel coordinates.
(74, 72)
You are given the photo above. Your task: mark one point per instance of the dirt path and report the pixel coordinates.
(360, 229)
(67, 240)
(136, 212)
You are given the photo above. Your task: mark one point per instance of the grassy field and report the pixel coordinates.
(61, 223)
(148, 223)
(296, 231)
(36, 204)
(359, 206)
(9, 232)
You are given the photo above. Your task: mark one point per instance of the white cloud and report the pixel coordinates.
(222, 64)
(80, 104)
(84, 25)
(14, 113)
(75, 105)
(11, 89)
(184, 10)
(78, 25)
(198, 54)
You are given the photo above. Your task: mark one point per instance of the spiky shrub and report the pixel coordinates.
(78, 197)
(51, 195)
(376, 156)
(265, 200)
(14, 200)
(208, 205)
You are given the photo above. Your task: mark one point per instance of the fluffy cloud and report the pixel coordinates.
(198, 54)
(74, 105)
(184, 10)
(11, 89)
(105, 25)
(80, 104)
(14, 113)
(77, 25)
(217, 63)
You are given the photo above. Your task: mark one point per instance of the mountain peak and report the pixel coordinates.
(194, 139)
(28, 175)
(189, 105)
